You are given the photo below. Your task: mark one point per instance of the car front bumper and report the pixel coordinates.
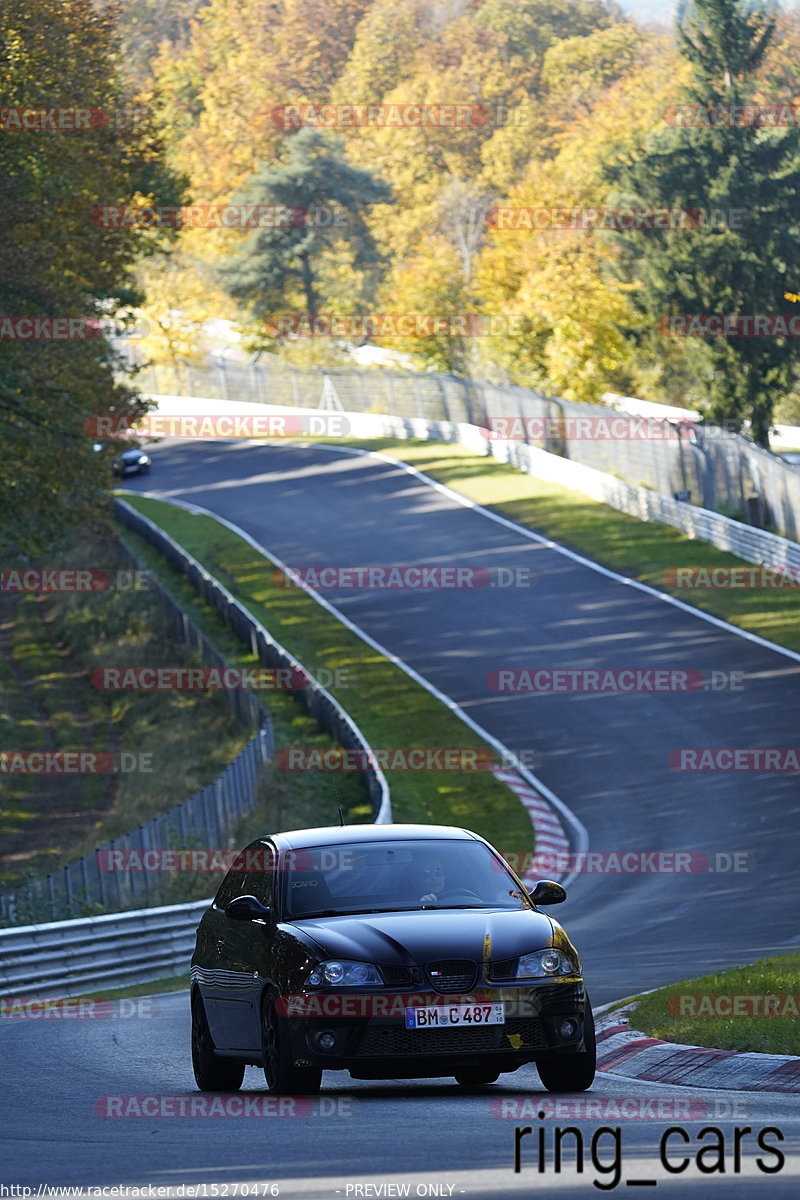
(371, 1039)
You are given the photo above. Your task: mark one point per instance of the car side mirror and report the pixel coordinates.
(248, 908)
(547, 892)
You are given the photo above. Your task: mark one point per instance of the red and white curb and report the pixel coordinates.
(627, 1052)
(551, 837)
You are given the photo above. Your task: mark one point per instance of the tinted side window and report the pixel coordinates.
(233, 883)
(251, 874)
(260, 874)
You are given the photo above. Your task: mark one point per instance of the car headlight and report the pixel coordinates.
(144, 459)
(544, 963)
(339, 973)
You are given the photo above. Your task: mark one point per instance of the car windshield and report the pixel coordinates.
(396, 876)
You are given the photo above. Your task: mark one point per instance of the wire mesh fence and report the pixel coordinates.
(204, 820)
(698, 463)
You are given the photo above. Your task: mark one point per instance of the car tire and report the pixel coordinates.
(572, 1072)
(211, 1073)
(476, 1076)
(282, 1076)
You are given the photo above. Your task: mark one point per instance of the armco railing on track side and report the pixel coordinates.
(720, 471)
(316, 699)
(204, 821)
(71, 958)
(746, 541)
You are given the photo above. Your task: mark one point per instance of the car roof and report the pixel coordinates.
(336, 835)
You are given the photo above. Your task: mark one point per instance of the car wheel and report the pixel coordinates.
(212, 1073)
(572, 1072)
(476, 1076)
(282, 1076)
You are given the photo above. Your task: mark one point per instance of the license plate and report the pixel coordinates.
(444, 1016)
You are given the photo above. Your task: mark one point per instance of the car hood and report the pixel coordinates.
(405, 939)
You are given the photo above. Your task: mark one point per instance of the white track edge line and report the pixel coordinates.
(548, 544)
(577, 826)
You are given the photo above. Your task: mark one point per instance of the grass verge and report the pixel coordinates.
(639, 549)
(156, 987)
(695, 1011)
(390, 709)
(175, 743)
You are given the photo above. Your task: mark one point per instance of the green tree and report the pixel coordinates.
(533, 25)
(56, 262)
(280, 266)
(743, 261)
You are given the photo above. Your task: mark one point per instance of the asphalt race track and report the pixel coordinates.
(429, 1131)
(606, 757)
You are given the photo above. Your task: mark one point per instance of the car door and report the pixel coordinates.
(209, 965)
(244, 954)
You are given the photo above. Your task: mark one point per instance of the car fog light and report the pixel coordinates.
(568, 1029)
(326, 1041)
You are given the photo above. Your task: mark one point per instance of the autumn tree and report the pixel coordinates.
(285, 265)
(742, 263)
(57, 262)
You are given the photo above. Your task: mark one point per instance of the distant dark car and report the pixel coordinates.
(389, 951)
(131, 462)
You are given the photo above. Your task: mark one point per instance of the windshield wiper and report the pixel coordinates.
(350, 912)
(443, 906)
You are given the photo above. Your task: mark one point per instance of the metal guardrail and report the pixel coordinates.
(721, 471)
(317, 700)
(204, 820)
(71, 958)
(745, 541)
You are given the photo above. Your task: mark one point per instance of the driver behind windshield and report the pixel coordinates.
(425, 881)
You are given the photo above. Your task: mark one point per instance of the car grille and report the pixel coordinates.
(452, 975)
(395, 1041)
(504, 969)
(401, 976)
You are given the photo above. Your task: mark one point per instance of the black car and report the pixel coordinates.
(131, 462)
(389, 951)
